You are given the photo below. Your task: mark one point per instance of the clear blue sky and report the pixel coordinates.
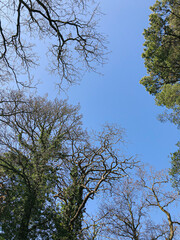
(117, 97)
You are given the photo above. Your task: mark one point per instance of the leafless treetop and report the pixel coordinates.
(67, 28)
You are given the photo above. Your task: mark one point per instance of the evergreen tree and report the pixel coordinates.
(162, 61)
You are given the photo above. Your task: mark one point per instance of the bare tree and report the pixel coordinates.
(92, 226)
(125, 214)
(48, 160)
(129, 214)
(16, 102)
(160, 195)
(99, 164)
(68, 27)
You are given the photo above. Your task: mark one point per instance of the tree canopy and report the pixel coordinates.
(162, 46)
(162, 61)
(51, 167)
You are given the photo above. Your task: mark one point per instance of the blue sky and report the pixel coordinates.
(116, 96)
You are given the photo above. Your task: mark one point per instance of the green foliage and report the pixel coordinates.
(51, 167)
(73, 198)
(169, 96)
(31, 144)
(26, 207)
(175, 170)
(162, 46)
(162, 61)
